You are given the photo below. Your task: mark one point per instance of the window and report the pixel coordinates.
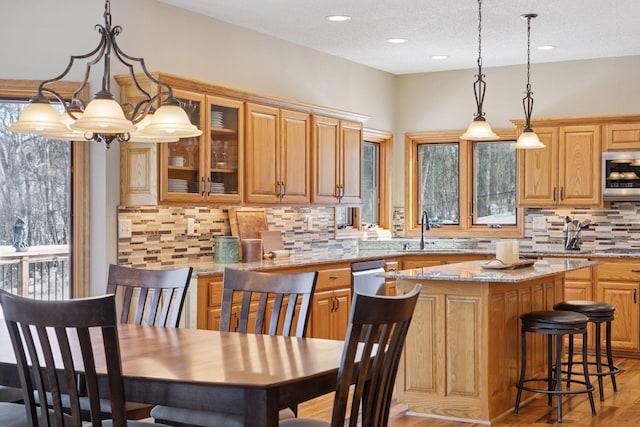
(50, 181)
(467, 188)
(371, 183)
(376, 185)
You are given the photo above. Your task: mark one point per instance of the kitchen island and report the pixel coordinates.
(462, 354)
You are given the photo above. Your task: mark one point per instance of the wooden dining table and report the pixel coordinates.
(247, 374)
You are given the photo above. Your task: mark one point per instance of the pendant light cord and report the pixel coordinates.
(527, 101)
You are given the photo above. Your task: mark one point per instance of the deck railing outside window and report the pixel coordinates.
(43, 272)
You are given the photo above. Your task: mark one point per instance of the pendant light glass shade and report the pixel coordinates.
(171, 120)
(39, 118)
(140, 136)
(527, 140)
(103, 116)
(68, 133)
(479, 129)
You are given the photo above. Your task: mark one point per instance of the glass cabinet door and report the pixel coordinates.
(225, 118)
(181, 161)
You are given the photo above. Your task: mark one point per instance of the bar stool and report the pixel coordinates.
(556, 324)
(598, 313)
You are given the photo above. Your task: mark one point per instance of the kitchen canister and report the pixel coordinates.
(226, 249)
(251, 250)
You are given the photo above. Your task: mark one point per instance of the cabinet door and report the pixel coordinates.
(182, 163)
(224, 150)
(321, 312)
(625, 327)
(340, 317)
(138, 174)
(326, 134)
(295, 156)
(351, 162)
(538, 171)
(580, 165)
(262, 160)
(621, 136)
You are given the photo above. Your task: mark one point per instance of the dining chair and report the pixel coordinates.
(151, 297)
(54, 342)
(273, 304)
(384, 322)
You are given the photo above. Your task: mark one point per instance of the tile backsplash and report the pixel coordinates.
(159, 233)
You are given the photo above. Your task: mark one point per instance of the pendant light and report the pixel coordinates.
(479, 129)
(528, 138)
(103, 119)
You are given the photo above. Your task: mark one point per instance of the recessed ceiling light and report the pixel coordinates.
(546, 47)
(338, 18)
(397, 40)
(439, 57)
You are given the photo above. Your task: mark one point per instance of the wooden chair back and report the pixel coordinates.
(44, 335)
(264, 297)
(378, 325)
(151, 297)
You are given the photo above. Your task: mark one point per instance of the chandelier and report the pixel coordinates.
(103, 119)
(479, 129)
(528, 138)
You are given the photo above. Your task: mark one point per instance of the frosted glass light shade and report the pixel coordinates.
(140, 136)
(479, 130)
(38, 118)
(68, 133)
(173, 121)
(528, 140)
(103, 116)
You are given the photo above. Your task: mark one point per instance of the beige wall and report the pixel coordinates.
(39, 36)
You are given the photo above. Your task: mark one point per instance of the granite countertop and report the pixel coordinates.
(311, 258)
(473, 271)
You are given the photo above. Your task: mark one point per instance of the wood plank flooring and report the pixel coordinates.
(617, 410)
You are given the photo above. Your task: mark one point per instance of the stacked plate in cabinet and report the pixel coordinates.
(178, 185)
(217, 119)
(217, 187)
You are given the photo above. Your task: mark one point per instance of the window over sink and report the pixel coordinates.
(467, 188)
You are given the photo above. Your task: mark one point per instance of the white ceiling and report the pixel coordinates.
(581, 29)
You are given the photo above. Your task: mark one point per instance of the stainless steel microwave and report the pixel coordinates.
(621, 175)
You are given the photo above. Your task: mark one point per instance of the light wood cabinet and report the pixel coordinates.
(337, 161)
(331, 304)
(621, 136)
(390, 284)
(578, 285)
(566, 172)
(278, 156)
(619, 284)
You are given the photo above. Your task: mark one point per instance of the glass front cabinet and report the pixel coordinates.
(206, 168)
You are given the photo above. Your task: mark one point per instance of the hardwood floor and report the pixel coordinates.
(617, 410)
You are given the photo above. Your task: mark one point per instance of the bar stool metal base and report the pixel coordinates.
(554, 324)
(597, 313)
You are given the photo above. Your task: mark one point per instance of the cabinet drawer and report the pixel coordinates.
(582, 274)
(619, 271)
(334, 278)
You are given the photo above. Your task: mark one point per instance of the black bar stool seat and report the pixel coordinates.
(598, 313)
(554, 323)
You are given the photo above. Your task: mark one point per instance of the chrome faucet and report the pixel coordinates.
(424, 225)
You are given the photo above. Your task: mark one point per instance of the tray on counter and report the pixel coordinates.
(496, 264)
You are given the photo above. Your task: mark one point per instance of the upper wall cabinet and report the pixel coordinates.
(337, 161)
(253, 149)
(566, 172)
(621, 136)
(205, 169)
(278, 155)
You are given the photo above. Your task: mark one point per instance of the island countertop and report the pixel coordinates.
(476, 271)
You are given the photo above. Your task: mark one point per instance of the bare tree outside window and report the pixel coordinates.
(439, 182)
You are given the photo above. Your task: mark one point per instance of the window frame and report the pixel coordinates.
(80, 175)
(466, 228)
